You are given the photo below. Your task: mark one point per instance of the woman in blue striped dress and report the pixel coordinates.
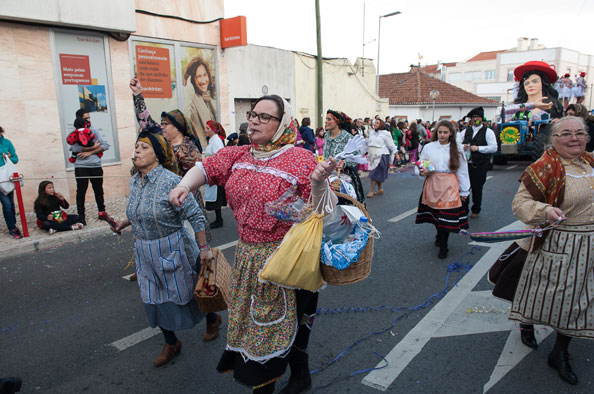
(167, 256)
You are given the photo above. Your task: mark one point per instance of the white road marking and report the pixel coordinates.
(135, 338)
(147, 333)
(489, 177)
(449, 318)
(227, 245)
(513, 352)
(128, 277)
(512, 167)
(402, 216)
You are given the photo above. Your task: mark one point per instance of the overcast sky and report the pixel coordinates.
(447, 31)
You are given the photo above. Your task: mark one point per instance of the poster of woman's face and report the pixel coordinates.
(199, 88)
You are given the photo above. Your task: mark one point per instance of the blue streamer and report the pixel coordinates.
(455, 267)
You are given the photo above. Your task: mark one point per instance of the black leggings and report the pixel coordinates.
(66, 225)
(171, 338)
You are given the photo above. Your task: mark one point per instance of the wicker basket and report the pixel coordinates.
(214, 284)
(358, 270)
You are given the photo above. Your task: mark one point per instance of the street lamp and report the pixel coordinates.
(434, 95)
(378, 47)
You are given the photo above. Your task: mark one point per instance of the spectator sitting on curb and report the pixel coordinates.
(48, 209)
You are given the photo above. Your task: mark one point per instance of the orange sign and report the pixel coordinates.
(154, 71)
(75, 69)
(233, 32)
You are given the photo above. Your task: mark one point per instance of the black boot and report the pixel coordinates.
(560, 362)
(218, 220)
(527, 335)
(300, 380)
(10, 385)
(443, 244)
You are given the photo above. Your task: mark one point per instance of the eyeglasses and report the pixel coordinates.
(566, 134)
(262, 117)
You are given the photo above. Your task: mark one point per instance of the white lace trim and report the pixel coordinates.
(245, 354)
(292, 179)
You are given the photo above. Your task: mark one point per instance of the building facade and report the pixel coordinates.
(256, 70)
(59, 57)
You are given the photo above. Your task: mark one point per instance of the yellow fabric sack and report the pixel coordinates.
(296, 262)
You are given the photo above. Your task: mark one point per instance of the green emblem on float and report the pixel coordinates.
(509, 135)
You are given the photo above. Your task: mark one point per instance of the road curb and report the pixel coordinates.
(37, 245)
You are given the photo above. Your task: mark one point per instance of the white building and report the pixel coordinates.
(490, 74)
(257, 70)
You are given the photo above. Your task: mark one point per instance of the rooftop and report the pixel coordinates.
(490, 55)
(413, 87)
(432, 68)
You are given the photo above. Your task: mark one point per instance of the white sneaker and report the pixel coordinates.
(76, 226)
(52, 231)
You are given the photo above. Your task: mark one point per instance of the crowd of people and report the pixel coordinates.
(269, 326)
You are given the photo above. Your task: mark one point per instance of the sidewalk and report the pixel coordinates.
(40, 239)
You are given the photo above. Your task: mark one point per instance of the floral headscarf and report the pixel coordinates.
(283, 139)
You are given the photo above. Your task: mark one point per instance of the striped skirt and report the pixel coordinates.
(440, 204)
(556, 287)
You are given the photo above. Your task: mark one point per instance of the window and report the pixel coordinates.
(454, 77)
(470, 76)
(490, 75)
(161, 66)
(83, 72)
(510, 75)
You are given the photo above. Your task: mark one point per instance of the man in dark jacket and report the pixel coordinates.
(481, 142)
(307, 134)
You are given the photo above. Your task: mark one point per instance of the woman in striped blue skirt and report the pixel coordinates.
(166, 254)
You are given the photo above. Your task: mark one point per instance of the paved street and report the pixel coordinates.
(69, 323)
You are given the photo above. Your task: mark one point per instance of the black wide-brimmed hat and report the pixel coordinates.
(478, 111)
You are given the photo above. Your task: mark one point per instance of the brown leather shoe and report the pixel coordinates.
(474, 215)
(212, 330)
(167, 354)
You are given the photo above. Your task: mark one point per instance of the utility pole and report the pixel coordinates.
(363, 56)
(379, 32)
(319, 66)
